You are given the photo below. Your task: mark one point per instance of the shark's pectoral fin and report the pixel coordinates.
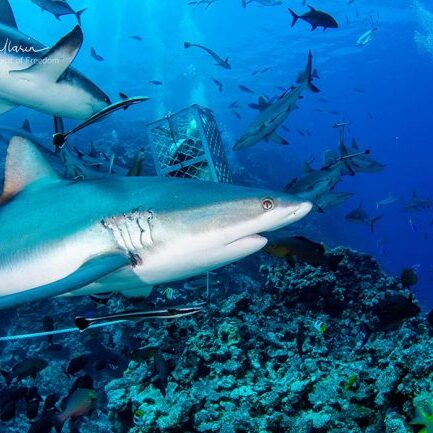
(5, 106)
(56, 60)
(89, 272)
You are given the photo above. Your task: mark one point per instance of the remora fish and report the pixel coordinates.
(38, 82)
(83, 323)
(219, 61)
(58, 8)
(357, 161)
(122, 234)
(366, 37)
(316, 18)
(390, 199)
(274, 114)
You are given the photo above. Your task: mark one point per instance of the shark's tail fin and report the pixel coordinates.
(307, 76)
(78, 15)
(295, 17)
(374, 221)
(187, 44)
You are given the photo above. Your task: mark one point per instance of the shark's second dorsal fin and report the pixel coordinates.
(6, 14)
(57, 59)
(24, 165)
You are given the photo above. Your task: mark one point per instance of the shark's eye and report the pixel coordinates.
(267, 204)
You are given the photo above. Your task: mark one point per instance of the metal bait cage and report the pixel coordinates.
(188, 144)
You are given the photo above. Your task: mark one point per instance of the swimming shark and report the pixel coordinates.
(314, 183)
(41, 78)
(122, 234)
(273, 114)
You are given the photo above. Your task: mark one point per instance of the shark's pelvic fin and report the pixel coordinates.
(88, 273)
(24, 165)
(6, 14)
(57, 59)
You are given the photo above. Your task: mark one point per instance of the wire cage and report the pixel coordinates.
(188, 144)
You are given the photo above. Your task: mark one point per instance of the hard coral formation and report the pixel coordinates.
(243, 368)
(258, 361)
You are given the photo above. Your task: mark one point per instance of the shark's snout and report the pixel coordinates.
(301, 210)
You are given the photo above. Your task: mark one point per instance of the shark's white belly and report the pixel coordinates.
(50, 262)
(37, 92)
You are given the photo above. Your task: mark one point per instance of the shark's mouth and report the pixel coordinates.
(253, 242)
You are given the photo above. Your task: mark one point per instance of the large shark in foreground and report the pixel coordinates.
(122, 234)
(273, 114)
(41, 78)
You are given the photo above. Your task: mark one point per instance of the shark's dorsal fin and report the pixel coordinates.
(57, 59)
(26, 126)
(6, 14)
(263, 103)
(24, 165)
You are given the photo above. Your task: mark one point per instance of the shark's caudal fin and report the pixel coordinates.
(306, 77)
(309, 74)
(6, 14)
(295, 17)
(78, 15)
(24, 165)
(57, 59)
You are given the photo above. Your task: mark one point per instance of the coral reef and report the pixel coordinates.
(262, 361)
(243, 368)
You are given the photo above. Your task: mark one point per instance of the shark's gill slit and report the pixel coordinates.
(131, 231)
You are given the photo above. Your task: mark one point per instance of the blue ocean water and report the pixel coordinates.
(382, 89)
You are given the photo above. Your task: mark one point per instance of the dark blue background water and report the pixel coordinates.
(392, 116)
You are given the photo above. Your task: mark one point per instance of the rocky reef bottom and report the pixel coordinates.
(297, 349)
